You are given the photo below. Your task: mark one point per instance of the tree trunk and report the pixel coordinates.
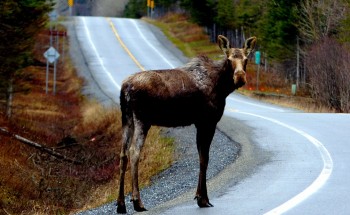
(9, 97)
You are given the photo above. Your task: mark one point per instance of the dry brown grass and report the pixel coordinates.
(33, 182)
(305, 104)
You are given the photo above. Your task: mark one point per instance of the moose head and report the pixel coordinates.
(238, 57)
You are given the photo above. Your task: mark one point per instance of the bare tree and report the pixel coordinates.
(328, 64)
(319, 18)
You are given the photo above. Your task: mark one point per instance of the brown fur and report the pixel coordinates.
(192, 94)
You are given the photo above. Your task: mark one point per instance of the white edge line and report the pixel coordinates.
(98, 57)
(257, 105)
(317, 183)
(150, 45)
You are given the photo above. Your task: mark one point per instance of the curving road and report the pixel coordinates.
(306, 162)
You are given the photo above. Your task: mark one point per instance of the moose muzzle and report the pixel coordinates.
(239, 78)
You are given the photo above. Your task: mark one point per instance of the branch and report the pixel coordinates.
(40, 147)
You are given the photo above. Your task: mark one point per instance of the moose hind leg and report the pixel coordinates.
(141, 131)
(204, 137)
(128, 130)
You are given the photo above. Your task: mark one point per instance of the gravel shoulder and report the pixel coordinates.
(231, 151)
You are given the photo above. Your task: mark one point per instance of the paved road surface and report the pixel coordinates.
(307, 166)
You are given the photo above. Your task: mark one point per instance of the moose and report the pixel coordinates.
(192, 94)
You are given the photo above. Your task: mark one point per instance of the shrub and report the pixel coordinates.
(328, 64)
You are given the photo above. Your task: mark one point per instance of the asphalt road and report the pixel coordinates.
(306, 164)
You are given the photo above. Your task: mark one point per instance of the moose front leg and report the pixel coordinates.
(141, 131)
(205, 135)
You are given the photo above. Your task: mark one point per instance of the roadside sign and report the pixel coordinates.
(51, 54)
(70, 3)
(257, 57)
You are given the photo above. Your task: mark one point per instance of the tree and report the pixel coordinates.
(225, 14)
(328, 63)
(166, 3)
(165, 6)
(320, 18)
(277, 29)
(248, 13)
(202, 12)
(135, 9)
(20, 22)
(344, 29)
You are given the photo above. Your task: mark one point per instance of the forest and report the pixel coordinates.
(304, 41)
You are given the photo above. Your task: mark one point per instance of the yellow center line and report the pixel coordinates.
(123, 45)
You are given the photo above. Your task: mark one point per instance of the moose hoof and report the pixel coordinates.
(121, 208)
(203, 202)
(137, 206)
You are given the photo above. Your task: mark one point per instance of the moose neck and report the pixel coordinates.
(225, 82)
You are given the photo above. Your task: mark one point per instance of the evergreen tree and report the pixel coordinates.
(225, 14)
(203, 12)
(20, 21)
(344, 29)
(135, 9)
(277, 30)
(166, 3)
(248, 13)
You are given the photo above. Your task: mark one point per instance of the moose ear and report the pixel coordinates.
(224, 44)
(249, 45)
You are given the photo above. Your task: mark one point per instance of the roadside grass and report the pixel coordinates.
(305, 104)
(192, 40)
(34, 182)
